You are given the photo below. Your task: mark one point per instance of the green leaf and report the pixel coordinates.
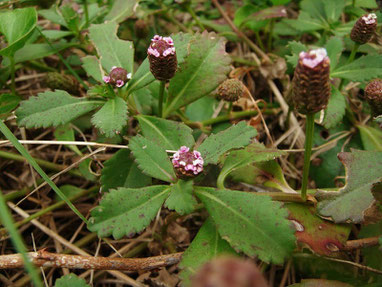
(296, 48)
(121, 10)
(69, 191)
(152, 159)
(8, 102)
(121, 171)
(333, 9)
(204, 69)
(314, 8)
(363, 169)
(334, 46)
(314, 232)
(253, 224)
(201, 109)
(112, 117)
(52, 109)
(362, 69)
(181, 198)
(71, 17)
(206, 246)
(56, 34)
(142, 77)
(92, 67)
(371, 137)
(71, 280)
(111, 50)
(126, 211)
(255, 152)
(372, 254)
(335, 110)
(52, 15)
(66, 133)
(305, 23)
(237, 136)
(17, 25)
(165, 133)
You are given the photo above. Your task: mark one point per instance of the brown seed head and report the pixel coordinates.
(141, 29)
(162, 58)
(117, 77)
(311, 81)
(373, 95)
(57, 81)
(364, 28)
(228, 272)
(231, 90)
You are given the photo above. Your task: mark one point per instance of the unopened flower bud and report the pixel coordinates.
(162, 58)
(117, 77)
(373, 95)
(311, 81)
(141, 29)
(231, 90)
(228, 272)
(364, 28)
(57, 81)
(187, 164)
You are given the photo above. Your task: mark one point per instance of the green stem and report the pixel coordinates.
(353, 53)
(229, 111)
(243, 61)
(13, 72)
(270, 35)
(45, 164)
(17, 241)
(195, 17)
(353, 3)
(160, 100)
(259, 41)
(86, 13)
(308, 151)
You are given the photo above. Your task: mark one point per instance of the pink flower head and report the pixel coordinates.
(106, 79)
(187, 163)
(161, 46)
(313, 58)
(369, 18)
(117, 77)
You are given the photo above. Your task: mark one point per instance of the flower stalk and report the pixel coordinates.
(309, 130)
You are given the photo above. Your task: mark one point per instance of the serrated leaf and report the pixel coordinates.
(121, 171)
(255, 152)
(71, 280)
(206, 246)
(53, 109)
(92, 67)
(333, 9)
(112, 117)
(314, 232)
(363, 169)
(371, 137)
(334, 46)
(181, 198)
(165, 133)
(253, 224)
(152, 159)
(305, 23)
(142, 77)
(126, 211)
(111, 50)
(362, 69)
(296, 48)
(237, 136)
(335, 110)
(17, 25)
(204, 69)
(121, 10)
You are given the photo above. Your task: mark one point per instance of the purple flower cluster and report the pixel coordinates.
(161, 46)
(117, 77)
(314, 57)
(188, 162)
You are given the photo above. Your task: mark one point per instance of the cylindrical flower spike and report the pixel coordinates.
(364, 28)
(231, 90)
(117, 77)
(187, 164)
(162, 58)
(311, 81)
(62, 82)
(373, 95)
